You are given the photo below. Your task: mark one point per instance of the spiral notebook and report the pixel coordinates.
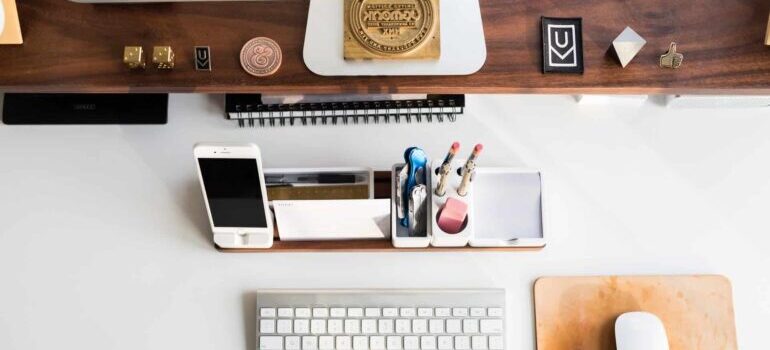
(256, 110)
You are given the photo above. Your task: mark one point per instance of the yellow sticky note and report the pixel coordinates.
(10, 31)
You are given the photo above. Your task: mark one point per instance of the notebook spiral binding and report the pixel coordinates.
(249, 110)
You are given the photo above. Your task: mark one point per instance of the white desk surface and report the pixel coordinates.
(104, 242)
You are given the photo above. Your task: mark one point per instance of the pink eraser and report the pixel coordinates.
(452, 215)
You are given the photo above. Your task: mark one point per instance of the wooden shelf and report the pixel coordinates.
(73, 47)
(381, 190)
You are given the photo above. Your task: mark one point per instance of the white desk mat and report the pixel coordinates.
(463, 48)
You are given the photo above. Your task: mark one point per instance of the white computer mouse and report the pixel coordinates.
(640, 331)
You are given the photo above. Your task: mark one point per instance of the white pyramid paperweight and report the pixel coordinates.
(627, 45)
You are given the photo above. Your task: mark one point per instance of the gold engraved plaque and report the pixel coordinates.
(392, 29)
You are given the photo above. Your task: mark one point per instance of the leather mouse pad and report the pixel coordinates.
(578, 313)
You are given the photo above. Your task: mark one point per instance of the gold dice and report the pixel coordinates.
(163, 57)
(133, 57)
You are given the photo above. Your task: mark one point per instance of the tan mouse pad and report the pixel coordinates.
(578, 313)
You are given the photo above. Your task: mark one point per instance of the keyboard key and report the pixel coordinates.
(394, 342)
(343, 343)
(460, 312)
(293, 343)
(403, 326)
(309, 343)
(454, 326)
(425, 312)
(270, 343)
(352, 326)
(338, 312)
(479, 342)
(372, 312)
(445, 342)
(334, 327)
(496, 343)
(326, 342)
(302, 312)
(495, 312)
(285, 312)
(284, 327)
(478, 312)
(411, 342)
(360, 342)
(462, 342)
(436, 326)
(390, 312)
(317, 326)
(491, 326)
(355, 312)
(385, 326)
(420, 326)
(377, 342)
(267, 312)
(369, 326)
(408, 312)
(443, 312)
(266, 326)
(470, 326)
(301, 326)
(428, 342)
(320, 312)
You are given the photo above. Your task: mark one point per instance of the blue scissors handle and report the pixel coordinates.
(415, 159)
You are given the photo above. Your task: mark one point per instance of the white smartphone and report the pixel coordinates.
(233, 185)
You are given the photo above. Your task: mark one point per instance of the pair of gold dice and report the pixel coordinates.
(162, 57)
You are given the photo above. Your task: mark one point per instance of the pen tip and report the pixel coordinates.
(479, 147)
(455, 146)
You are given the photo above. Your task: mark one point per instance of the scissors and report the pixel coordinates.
(416, 160)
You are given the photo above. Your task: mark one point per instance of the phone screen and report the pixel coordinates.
(233, 191)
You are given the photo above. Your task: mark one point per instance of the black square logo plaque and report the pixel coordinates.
(562, 45)
(202, 58)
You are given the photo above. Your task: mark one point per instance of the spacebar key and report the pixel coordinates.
(270, 343)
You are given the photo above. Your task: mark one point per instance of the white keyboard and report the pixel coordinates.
(381, 319)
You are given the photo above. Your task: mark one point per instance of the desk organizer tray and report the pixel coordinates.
(511, 199)
(441, 238)
(526, 240)
(399, 234)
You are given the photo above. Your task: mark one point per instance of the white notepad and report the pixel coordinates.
(324, 220)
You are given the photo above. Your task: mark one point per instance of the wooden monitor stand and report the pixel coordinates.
(75, 47)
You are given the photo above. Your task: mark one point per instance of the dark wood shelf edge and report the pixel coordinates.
(272, 89)
(81, 52)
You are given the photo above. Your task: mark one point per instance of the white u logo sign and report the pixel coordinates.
(566, 40)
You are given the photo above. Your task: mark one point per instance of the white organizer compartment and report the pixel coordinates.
(441, 238)
(509, 208)
(399, 235)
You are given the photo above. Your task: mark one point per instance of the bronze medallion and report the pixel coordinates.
(392, 28)
(261, 57)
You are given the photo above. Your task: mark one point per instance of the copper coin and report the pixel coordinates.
(261, 57)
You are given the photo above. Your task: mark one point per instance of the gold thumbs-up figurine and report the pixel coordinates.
(671, 59)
